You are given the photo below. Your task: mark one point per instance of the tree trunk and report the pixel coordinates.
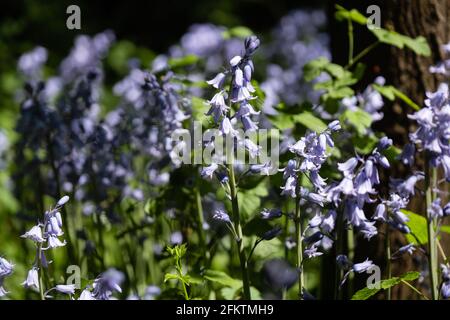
(409, 73)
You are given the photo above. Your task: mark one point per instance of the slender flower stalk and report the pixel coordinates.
(299, 252)
(388, 261)
(430, 182)
(239, 236)
(201, 222)
(40, 272)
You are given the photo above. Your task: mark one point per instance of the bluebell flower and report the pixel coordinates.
(221, 215)
(32, 280)
(290, 170)
(334, 125)
(208, 172)
(363, 266)
(176, 238)
(6, 269)
(264, 169)
(435, 210)
(311, 252)
(251, 44)
(272, 233)
(108, 283)
(268, 214)
(384, 143)
(406, 188)
(409, 248)
(445, 274)
(66, 288)
(218, 81)
(348, 166)
(152, 292)
(329, 221)
(290, 187)
(86, 294)
(218, 106)
(34, 234)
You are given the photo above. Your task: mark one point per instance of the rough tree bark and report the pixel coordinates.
(409, 73)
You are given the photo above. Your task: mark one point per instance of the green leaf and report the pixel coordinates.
(250, 200)
(185, 61)
(366, 293)
(410, 276)
(390, 92)
(406, 99)
(222, 278)
(310, 121)
(229, 293)
(419, 45)
(314, 68)
(170, 276)
(418, 226)
(386, 91)
(445, 229)
(359, 119)
(237, 32)
(354, 15)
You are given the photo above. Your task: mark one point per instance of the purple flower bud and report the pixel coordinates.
(251, 45)
(334, 125)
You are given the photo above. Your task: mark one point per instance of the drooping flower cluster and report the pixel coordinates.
(356, 188)
(433, 133)
(240, 93)
(46, 236)
(311, 153)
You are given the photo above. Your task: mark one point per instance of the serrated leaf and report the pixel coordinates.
(359, 119)
(419, 45)
(365, 293)
(310, 121)
(410, 276)
(389, 283)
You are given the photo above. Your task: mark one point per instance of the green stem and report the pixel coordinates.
(350, 41)
(432, 248)
(298, 239)
(362, 54)
(388, 261)
(40, 272)
(351, 256)
(339, 245)
(238, 229)
(200, 222)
